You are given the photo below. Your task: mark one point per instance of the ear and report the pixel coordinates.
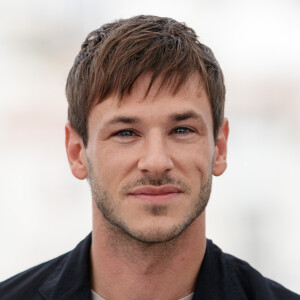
(75, 152)
(220, 162)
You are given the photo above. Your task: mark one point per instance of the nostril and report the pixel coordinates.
(156, 163)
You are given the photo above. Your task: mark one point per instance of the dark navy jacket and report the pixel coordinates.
(221, 276)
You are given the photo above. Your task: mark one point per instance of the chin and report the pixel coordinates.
(155, 236)
(158, 234)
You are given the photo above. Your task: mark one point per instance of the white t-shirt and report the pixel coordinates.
(95, 296)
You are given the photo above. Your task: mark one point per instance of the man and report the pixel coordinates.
(147, 129)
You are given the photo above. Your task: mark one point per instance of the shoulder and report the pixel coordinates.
(248, 281)
(63, 277)
(27, 283)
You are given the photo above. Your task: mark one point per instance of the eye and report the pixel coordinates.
(182, 130)
(124, 133)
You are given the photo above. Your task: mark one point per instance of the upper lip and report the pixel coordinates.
(155, 190)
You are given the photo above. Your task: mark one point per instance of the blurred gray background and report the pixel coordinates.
(255, 206)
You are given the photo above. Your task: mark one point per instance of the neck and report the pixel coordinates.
(145, 270)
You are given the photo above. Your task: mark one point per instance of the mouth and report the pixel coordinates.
(156, 194)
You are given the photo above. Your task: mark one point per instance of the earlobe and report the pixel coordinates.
(220, 159)
(75, 152)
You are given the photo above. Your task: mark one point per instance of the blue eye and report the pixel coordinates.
(124, 133)
(182, 130)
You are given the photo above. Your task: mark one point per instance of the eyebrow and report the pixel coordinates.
(123, 120)
(186, 115)
(176, 117)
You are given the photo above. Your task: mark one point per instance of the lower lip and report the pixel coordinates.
(156, 197)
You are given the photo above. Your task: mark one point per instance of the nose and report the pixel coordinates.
(155, 158)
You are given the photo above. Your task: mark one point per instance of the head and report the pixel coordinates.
(146, 125)
(114, 56)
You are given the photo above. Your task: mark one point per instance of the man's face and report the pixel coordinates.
(150, 160)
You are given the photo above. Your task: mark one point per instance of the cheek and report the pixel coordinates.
(200, 167)
(197, 160)
(112, 165)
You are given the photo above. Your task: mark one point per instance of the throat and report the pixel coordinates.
(146, 256)
(145, 270)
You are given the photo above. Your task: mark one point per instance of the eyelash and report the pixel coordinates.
(119, 133)
(186, 129)
(132, 132)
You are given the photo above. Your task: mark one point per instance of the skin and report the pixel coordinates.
(143, 242)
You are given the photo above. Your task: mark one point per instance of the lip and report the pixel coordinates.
(156, 194)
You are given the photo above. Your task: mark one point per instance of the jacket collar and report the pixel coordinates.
(70, 279)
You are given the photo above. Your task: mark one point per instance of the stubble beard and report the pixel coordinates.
(117, 226)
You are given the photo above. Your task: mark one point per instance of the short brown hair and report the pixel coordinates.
(115, 55)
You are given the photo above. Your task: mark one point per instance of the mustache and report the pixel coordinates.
(156, 181)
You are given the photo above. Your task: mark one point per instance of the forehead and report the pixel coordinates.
(159, 101)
